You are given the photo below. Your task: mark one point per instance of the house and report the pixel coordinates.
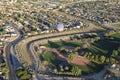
(113, 66)
(59, 27)
(9, 29)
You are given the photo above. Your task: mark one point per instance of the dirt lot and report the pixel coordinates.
(80, 61)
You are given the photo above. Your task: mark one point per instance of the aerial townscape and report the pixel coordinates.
(59, 39)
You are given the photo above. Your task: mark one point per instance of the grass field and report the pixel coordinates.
(63, 43)
(51, 58)
(102, 47)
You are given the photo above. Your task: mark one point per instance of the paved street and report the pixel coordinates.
(11, 58)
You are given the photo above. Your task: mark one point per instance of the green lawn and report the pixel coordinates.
(51, 58)
(63, 43)
(102, 47)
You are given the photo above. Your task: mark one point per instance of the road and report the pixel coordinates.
(10, 56)
(11, 74)
(56, 38)
(30, 58)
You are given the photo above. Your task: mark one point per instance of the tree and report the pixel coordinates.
(115, 53)
(61, 68)
(55, 71)
(5, 70)
(102, 59)
(76, 70)
(96, 58)
(66, 68)
(113, 60)
(107, 60)
(93, 57)
(119, 49)
(77, 49)
(24, 75)
(71, 56)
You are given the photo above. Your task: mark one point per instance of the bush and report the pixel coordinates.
(24, 75)
(76, 70)
(71, 56)
(5, 70)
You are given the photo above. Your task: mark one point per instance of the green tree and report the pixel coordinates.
(102, 59)
(61, 68)
(66, 68)
(77, 49)
(96, 58)
(113, 60)
(76, 70)
(5, 70)
(24, 75)
(107, 60)
(71, 56)
(115, 53)
(55, 70)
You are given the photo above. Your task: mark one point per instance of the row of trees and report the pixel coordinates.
(95, 58)
(69, 70)
(100, 58)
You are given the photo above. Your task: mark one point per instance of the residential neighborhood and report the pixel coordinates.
(59, 40)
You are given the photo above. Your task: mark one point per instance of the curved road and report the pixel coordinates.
(25, 44)
(53, 38)
(9, 56)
